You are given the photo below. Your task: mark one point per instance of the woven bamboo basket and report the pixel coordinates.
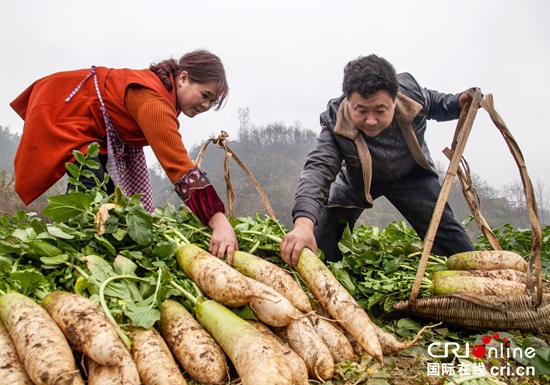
(527, 312)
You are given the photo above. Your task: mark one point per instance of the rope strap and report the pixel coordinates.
(455, 155)
(221, 142)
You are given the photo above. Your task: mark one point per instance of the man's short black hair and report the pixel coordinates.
(369, 74)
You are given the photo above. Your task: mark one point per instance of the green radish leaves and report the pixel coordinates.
(26, 281)
(139, 224)
(379, 265)
(61, 208)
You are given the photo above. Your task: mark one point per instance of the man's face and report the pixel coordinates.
(373, 114)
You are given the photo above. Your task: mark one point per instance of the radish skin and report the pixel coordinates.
(302, 338)
(273, 276)
(197, 352)
(11, 368)
(87, 328)
(293, 360)
(102, 375)
(270, 306)
(338, 345)
(357, 348)
(155, 363)
(477, 285)
(487, 260)
(216, 279)
(322, 314)
(256, 359)
(507, 274)
(122, 374)
(336, 300)
(390, 344)
(42, 347)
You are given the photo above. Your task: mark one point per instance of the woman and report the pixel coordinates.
(124, 110)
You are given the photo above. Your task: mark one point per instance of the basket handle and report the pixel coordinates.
(221, 142)
(463, 129)
(536, 232)
(461, 134)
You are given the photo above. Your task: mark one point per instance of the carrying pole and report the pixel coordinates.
(463, 130)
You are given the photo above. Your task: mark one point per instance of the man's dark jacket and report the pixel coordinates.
(337, 172)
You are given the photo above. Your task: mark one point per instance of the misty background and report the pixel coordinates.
(285, 59)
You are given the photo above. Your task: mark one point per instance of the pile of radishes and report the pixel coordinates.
(67, 339)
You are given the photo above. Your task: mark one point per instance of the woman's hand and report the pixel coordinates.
(223, 239)
(294, 242)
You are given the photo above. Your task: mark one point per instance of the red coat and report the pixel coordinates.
(54, 128)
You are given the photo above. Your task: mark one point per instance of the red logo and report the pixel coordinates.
(480, 350)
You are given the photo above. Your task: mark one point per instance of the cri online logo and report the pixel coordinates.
(486, 349)
(479, 350)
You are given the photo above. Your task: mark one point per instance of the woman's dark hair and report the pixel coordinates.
(201, 66)
(369, 74)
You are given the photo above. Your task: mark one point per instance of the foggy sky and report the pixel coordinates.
(285, 59)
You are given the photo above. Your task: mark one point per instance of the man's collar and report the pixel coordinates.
(406, 108)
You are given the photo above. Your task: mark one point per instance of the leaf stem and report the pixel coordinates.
(186, 294)
(177, 243)
(198, 229)
(183, 238)
(269, 236)
(78, 269)
(106, 310)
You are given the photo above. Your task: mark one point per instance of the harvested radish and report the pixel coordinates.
(87, 328)
(197, 352)
(153, 358)
(210, 274)
(336, 341)
(390, 344)
(302, 338)
(293, 360)
(487, 260)
(102, 375)
(477, 285)
(45, 353)
(270, 306)
(11, 369)
(336, 300)
(357, 348)
(273, 276)
(256, 359)
(506, 274)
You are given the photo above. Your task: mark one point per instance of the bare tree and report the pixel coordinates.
(515, 196)
(543, 201)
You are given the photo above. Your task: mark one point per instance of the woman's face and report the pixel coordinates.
(194, 98)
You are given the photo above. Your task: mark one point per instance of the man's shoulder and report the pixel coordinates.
(328, 117)
(409, 87)
(407, 81)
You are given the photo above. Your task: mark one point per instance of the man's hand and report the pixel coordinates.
(467, 96)
(223, 239)
(294, 242)
(464, 99)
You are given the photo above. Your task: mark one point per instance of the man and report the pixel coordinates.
(371, 145)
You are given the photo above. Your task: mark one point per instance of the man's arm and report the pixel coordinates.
(321, 166)
(441, 107)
